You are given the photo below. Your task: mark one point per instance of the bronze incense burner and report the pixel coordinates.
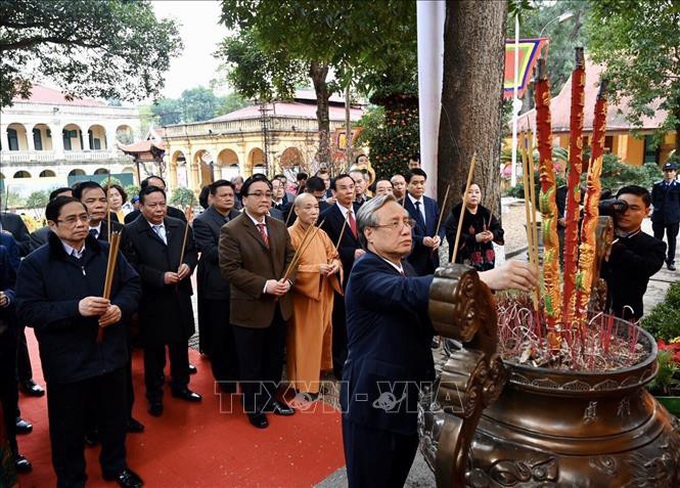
(546, 427)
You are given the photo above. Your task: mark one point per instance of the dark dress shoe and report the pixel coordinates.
(134, 426)
(126, 478)
(23, 427)
(22, 465)
(258, 420)
(155, 409)
(91, 438)
(192, 369)
(29, 388)
(187, 395)
(671, 266)
(280, 408)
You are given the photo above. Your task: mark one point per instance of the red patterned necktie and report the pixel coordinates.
(352, 223)
(263, 233)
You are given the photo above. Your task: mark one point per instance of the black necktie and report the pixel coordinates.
(94, 233)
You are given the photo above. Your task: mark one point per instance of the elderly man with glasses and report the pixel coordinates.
(389, 335)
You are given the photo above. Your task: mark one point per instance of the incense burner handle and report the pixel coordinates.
(462, 308)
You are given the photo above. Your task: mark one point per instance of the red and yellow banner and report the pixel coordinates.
(529, 52)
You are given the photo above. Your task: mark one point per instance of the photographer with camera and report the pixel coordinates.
(634, 257)
(666, 216)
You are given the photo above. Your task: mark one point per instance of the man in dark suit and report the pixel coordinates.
(634, 257)
(254, 254)
(153, 245)
(666, 216)
(13, 224)
(92, 195)
(39, 237)
(59, 293)
(158, 182)
(425, 212)
(215, 332)
(389, 337)
(339, 222)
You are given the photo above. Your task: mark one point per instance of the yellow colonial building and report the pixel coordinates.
(280, 137)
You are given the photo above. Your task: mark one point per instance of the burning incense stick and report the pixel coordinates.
(184, 245)
(108, 207)
(114, 242)
(342, 230)
(471, 172)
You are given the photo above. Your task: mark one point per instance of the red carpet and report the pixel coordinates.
(196, 445)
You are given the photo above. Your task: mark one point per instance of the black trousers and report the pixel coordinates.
(154, 364)
(67, 405)
(222, 345)
(260, 362)
(9, 394)
(339, 335)
(377, 458)
(671, 235)
(24, 369)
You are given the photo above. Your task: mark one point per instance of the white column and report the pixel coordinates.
(515, 108)
(431, 16)
(86, 140)
(57, 141)
(5, 139)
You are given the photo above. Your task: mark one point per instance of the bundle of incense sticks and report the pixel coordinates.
(306, 241)
(551, 265)
(114, 243)
(530, 211)
(471, 173)
(573, 201)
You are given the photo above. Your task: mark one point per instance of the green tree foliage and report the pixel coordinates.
(639, 42)
(542, 17)
(392, 132)
(108, 48)
(366, 44)
(195, 105)
(37, 199)
(182, 197)
(167, 111)
(663, 322)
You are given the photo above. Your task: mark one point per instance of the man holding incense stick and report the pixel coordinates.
(60, 294)
(425, 212)
(254, 254)
(162, 250)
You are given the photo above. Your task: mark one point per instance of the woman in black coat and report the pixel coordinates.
(480, 230)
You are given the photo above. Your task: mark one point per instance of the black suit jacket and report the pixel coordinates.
(165, 312)
(14, 224)
(633, 260)
(422, 258)
(333, 221)
(211, 285)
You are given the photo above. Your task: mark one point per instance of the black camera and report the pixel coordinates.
(612, 206)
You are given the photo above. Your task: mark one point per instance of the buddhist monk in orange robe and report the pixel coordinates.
(319, 272)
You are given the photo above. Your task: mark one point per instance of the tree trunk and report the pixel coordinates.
(318, 72)
(472, 97)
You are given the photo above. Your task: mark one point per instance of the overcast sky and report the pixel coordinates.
(201, 33)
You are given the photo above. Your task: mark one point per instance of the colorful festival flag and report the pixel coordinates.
(529, 52)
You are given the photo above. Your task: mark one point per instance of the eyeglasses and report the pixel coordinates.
(260, 194)
(73, 220)
(397, 224)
